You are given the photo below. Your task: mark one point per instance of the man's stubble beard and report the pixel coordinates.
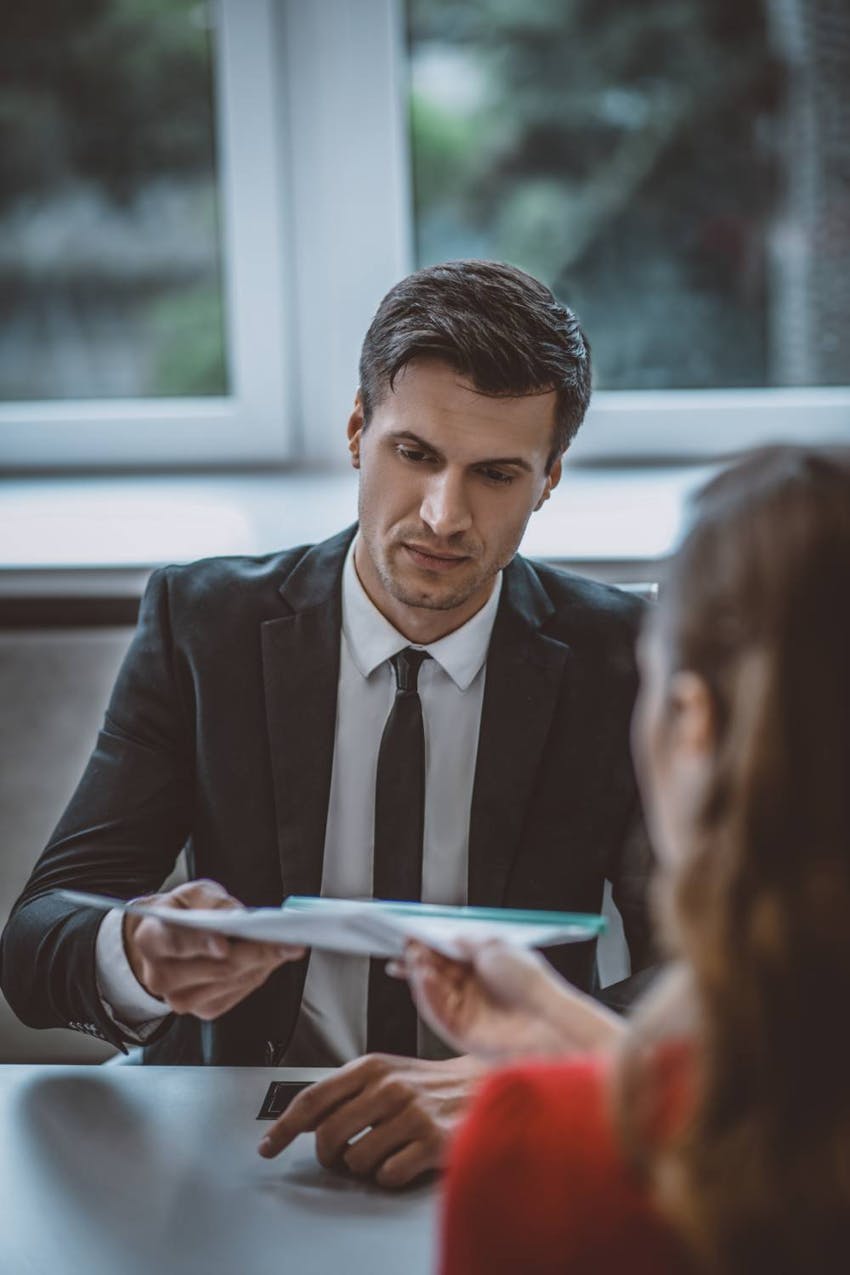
(415, 597)
(381, 561)
(411, 598)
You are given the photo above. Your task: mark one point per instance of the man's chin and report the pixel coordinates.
(439, 595)
(430, 599)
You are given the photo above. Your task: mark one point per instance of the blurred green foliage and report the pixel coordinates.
(107, 133)
(628, 154)
(112, 91)
(187, 327)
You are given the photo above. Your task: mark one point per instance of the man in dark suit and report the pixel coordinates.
(407, 709)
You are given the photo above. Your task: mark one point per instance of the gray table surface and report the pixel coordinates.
(107, 1170)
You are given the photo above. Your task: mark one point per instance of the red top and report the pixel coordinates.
(537, 1185)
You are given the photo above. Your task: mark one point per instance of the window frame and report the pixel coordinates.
(316, 226)
(687, 426)
(254, 421)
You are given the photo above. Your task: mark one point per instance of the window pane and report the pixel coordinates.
(677, 170)
(110, 271)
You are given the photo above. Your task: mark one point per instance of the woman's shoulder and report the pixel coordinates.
(549, 1111)
(566, 1108)
(537, 1180)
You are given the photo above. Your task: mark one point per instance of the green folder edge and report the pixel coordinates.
(592, 924)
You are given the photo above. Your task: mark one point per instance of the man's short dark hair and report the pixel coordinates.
(496, 325)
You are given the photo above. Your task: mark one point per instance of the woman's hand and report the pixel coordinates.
(503, 1002)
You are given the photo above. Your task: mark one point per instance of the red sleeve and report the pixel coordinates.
(536, 1184)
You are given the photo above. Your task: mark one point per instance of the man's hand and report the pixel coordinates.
(380, 1117)
(192, 971)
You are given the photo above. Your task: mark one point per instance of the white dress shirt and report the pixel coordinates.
(331, 1026)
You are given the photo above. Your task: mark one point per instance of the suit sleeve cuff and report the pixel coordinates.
(133, 1010)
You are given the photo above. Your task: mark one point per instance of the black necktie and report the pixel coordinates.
(397, 863)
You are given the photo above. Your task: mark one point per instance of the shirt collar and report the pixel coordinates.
(372, 639)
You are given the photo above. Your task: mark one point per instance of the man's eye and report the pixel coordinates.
(497, 476)
(412, 453)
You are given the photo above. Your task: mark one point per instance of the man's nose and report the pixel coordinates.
(445, 508)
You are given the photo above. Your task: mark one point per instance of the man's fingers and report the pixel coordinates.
(309, 1108)
(304, 1114)
(364, 1156)
(208, 1002)
(202, 893)
(155, 948)
(167, 943)
(371, 1108)
(408, 1164)
(249, 959)
(272, 953)
(169, 977)
(211, 1000)
(179, 940)
(244, 966)
(192, 896)
(155, 940)
(201, 1005)
(195, 979)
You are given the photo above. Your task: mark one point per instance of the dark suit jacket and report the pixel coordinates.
(219, 735)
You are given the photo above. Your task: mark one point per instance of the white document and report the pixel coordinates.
(369, 927)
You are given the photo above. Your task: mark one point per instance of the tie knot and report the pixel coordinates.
(407, 664)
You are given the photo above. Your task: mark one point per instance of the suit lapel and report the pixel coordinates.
(523, 680)
(300, 674)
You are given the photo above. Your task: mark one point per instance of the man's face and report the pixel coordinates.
(448, 480)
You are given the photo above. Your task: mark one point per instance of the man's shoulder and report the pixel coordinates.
(586, 608)
(255, 581)
(222, 575)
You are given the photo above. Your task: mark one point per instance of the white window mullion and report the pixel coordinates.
(258, 266)
(345, 72)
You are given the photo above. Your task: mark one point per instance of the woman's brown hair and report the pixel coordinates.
(758, 604)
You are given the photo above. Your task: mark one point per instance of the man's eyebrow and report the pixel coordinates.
(518, 462)
(406, 435)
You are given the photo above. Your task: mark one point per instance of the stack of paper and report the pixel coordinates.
(369, 927)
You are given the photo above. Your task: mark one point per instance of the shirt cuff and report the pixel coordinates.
(133, 1010)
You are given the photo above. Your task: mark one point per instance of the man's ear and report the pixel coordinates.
(355, 429)
(552, 480)
(692, 713)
